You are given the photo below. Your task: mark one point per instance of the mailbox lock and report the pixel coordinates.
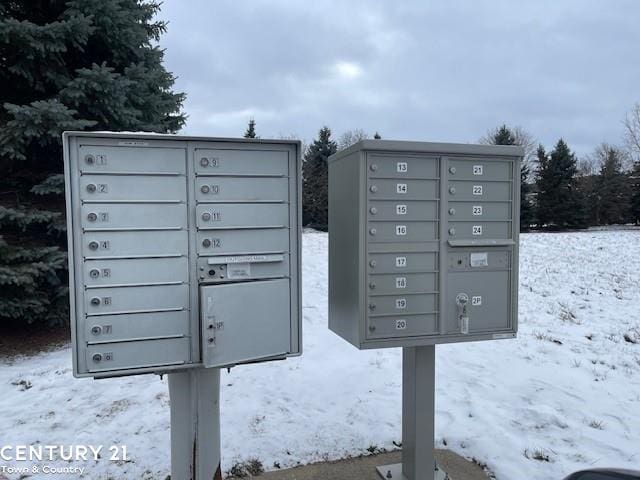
(452, 190)
(452, 169)
(373, 189)
(93, 245)
(373, 231)
(92, 217)
(204, 188)
(96, 330)
(90, 159)
(372, 306)
(94, 273)
(204, 161)
(212, 272)
(91, 188)
(462, 300)
(452, 231)
(206, 216)
(210, 326)
(372, 328)
(373, 210)
(372, 286)
(97, 357)
(211, 340)
(95, 301)
(373, 167)
(206, 243)
(372, 263)
(452, 211)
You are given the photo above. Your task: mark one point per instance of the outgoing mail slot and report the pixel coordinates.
(156, 216)
(147, 353)
(136, 299)
(402, 284)
(479, 169)
(222, 242)
(479, 211)
(136, 326)
(399, 166)
(399, 231)
(234, 189)
(132, 188)
(401, 326)
(386, 189)
(479, 230)
(488, 305)
(398, 210)
(402, 262)
(242, 215)
(246, 321)
(167, 161)
(243, 267)
(241, 162)
(402, 304)
(480, 191)
(135, 271)
(135, 244)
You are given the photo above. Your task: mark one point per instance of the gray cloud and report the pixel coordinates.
(434, 71)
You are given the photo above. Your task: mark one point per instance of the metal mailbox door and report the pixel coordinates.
(245, 321)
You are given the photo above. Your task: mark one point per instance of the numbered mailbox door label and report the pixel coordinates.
(476, 300)
(477, 169)
(401, 209)
(401, 262)
(401, 324)
(477, 230)
(401, 188)
(477, 210)
(402, 167)
(401, 282)
(477, 189)
(401, 230)
(401, 303)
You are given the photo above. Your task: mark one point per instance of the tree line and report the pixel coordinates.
(557, 191)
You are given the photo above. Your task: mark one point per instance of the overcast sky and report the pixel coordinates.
(411, 69)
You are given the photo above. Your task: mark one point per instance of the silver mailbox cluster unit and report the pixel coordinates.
(423, 243)
(183, 251)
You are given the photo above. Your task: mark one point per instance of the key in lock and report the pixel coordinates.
(462, 301)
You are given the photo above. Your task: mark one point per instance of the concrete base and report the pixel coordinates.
(394, 472)
(364, 468)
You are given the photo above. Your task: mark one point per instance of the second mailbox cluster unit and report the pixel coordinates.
(423, 243)
(183, 252)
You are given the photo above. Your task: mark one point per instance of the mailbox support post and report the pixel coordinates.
(195, 424)
(418, 412)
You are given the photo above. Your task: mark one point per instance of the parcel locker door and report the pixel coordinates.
(244, 322)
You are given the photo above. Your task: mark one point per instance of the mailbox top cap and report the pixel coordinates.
(429, 147)
(174, 137)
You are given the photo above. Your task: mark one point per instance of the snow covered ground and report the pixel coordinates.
(565, 395)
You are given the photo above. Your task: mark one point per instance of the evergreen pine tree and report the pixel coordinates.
(315, 180)
(377, 136)
(560, 203)
(65, 66)
(613, 194)
(250, 132)
(634, 182)
(504, 136)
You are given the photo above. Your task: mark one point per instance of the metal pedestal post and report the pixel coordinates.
(418, 412)
(195, 424)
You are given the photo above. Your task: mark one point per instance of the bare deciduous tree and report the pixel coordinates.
(350, 137)
(632, 131)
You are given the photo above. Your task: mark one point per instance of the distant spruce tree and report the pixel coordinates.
(65, 66)
(634, 182)
(250, 132)
(377, 136)
(559, 201)
(315, 180)
(612, 187)
(503, 135)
